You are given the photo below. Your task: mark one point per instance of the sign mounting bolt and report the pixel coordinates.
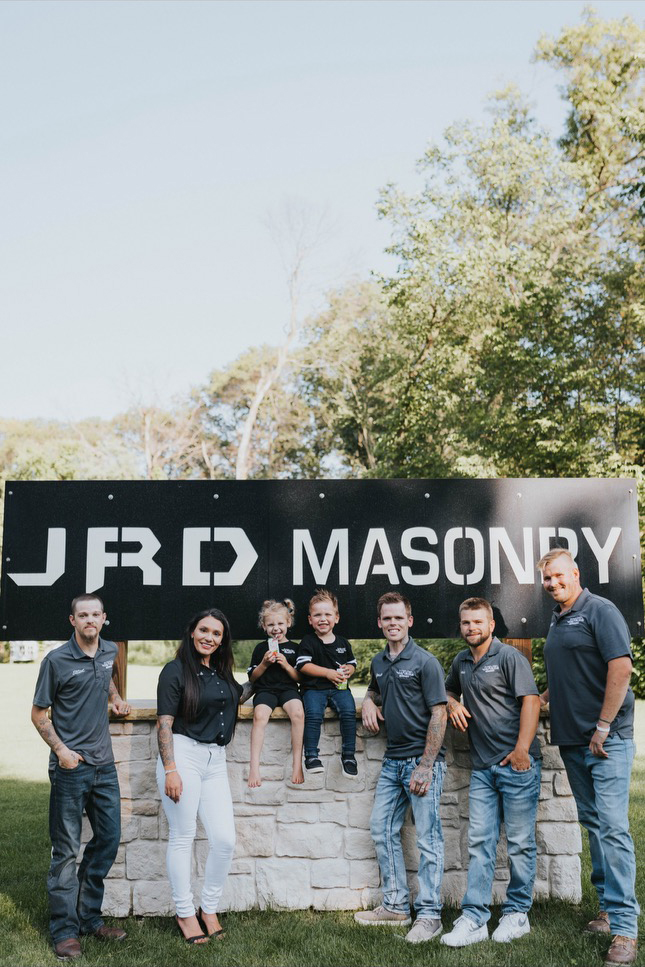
(110, 496)
(523, 620)
(215, 496)
(322, 496)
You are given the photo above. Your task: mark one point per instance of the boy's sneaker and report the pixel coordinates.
(379, 915)
(511, 926)
(464, 932)
(313, 764)
(425, 928)
(349, 766)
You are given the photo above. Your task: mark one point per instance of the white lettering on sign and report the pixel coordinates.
(194, 537)
(525, 573)
(376, 538)
(521, 563)
(338, 543)
(54, 564)
(602, 554)
(99, 559)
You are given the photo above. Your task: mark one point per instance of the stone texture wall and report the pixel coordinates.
(310, 846)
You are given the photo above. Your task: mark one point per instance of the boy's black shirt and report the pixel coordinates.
(312, 649)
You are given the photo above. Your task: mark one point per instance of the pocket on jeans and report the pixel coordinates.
(525, 772)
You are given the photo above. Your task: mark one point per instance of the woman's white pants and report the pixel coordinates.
(205, 792)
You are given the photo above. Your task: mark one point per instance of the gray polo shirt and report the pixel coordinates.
(410, 684)
(76, 687)
(491, 690)
(578, 647)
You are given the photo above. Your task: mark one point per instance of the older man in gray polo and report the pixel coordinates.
(588, 662)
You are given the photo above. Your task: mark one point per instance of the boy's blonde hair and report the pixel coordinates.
(272, 606)
(322, 594)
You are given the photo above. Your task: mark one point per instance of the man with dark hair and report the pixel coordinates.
(500, 711)
(407, 682)
(75, 681)
(588, 662)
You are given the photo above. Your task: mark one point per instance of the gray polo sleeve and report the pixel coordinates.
(46, 684)
(373, 685)
(611, 632)
(453, 684)
(434, 690)
(518, 673)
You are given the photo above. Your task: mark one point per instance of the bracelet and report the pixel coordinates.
(608, 721)
(598, 729)
(168, 771)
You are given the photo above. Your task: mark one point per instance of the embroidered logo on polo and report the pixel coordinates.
(404, 673)
(108, 664)
(79, 671)
(490, 668)
(577, 619)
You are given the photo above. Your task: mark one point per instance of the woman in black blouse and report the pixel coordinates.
(197, 700)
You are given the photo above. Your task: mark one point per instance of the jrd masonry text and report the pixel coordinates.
(334, 561)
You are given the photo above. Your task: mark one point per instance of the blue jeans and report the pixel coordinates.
(501, 793)
(316, 701)
(601, 790)
(391, 801)
(75, 899)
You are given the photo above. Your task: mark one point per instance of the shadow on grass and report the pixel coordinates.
(272, 938)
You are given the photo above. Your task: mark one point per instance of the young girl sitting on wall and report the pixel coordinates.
(272, 672)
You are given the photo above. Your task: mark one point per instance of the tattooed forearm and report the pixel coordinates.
(434, 735)
(45, 728)
(374, 696)
(164, 740)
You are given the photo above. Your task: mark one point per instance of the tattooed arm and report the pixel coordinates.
(174, 785)
(67, 759)
(421, 778)
(119, 706)
(371, 714)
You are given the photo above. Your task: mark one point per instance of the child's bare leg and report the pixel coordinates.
(261, 716)
(296, 713)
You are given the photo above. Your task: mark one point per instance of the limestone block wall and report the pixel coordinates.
(310, 845)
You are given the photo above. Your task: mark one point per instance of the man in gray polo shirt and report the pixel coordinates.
(408, 683)
(588, 662)
(75, 681)
(500, 711)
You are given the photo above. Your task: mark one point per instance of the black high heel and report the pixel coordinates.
(198, 936)
(216, 933)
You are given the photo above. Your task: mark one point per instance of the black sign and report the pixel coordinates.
(157, 552)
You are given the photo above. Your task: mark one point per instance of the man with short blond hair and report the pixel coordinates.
(75, 681)
(500, 712)
(588, 662)
(407, 682)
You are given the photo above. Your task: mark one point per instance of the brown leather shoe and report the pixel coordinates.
(68, 949)
(599, 924)
(110, 933)
(623, 950)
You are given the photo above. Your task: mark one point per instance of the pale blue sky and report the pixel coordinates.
(144, 143)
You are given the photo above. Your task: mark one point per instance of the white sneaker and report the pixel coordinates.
(511, 926)
(464, 932)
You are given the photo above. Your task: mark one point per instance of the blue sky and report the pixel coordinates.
(145, 143)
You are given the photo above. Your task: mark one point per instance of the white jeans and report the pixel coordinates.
(206, 791)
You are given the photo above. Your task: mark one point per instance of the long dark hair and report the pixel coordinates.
(221, 660)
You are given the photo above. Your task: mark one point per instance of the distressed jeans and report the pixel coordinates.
(601, 791)
(75, 898)
(391, 801)
(501, 793)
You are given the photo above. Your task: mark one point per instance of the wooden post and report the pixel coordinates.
(120, 670)
(523, 645)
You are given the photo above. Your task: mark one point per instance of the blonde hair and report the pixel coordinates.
(322, 594)
(272, 606)
(554, 553)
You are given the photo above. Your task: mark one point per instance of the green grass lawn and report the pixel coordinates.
(253, 938)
